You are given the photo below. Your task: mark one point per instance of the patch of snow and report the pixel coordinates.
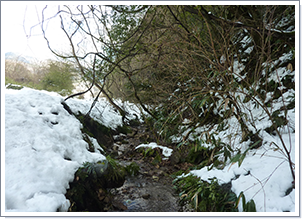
(165, 150)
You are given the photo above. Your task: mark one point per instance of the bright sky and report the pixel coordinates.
(21, 29)
(16, 20)
(21, 32)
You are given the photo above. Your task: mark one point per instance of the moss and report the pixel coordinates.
(90, 126)
(91, 147)
(123, 129)
(88, 191)
(96, 130)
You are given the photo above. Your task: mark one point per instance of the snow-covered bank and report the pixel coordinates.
(264, 175)
(103, 111)
(43, 149)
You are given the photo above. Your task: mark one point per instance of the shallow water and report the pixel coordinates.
(152, 189)
(142, 195)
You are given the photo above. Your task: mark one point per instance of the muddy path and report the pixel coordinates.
(151, 190)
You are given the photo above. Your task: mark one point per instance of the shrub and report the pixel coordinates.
(205, 196)
(58, 78)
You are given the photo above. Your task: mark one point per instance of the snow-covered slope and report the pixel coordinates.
(43, 149)
(264, 175)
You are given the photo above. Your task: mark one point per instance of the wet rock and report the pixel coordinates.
(175, 158)
(146, 196)
(119, 205)
(155, 178)
(119, 137)
(116, 147)
(122, 148)
(151, 196)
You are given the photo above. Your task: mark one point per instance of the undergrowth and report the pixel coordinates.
(210, 196)
(204, 196)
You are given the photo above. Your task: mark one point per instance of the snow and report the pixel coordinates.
(265, 178)
(165, 150)
(44, 146)
(103, 111)
(43, 149)
(264, 174)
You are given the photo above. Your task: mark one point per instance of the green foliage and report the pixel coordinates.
(148, 152)
(239, 157)
(116, 171)
(198, 154)
(124, 129)
(132, 169)
(157, 159)
(125, 18)
(204, 196)
(205, 151)
(19, 73)
(181, 62)
(153, 153)
(166, 124)
(175, 175)
(107, 173)
(250, 206)
(92, 170)
(88, 190)
(278, 121)
(58, 78)
(87, 169)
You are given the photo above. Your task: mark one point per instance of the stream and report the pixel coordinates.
(151, 190)
(140, 194)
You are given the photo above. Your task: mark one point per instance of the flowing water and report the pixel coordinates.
(149, 191)
(141, 195)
